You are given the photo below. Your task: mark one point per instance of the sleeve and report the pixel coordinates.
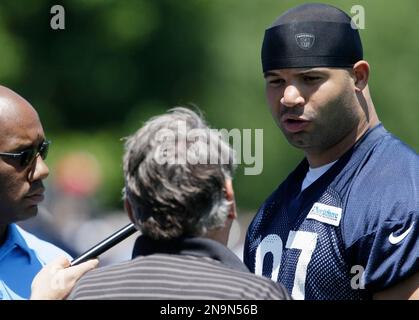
(258, 226)
(390, 252)
(248, 257)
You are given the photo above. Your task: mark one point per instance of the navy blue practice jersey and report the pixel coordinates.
(352, 232)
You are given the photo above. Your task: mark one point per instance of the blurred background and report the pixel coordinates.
(119, 62)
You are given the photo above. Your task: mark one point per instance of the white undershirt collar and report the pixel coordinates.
(314, 173)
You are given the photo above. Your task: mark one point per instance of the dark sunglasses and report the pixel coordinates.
(28, 156)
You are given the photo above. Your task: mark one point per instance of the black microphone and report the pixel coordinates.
(106, 244)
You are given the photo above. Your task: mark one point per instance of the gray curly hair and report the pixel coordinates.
(172, 199)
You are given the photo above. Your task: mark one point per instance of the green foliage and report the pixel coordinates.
(119, 62)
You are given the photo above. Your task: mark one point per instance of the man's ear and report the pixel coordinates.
(229, 194)
(361, 72)
(129, 210)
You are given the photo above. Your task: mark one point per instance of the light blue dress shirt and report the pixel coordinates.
(22, 255)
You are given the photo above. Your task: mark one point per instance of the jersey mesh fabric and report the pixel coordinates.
(374, 199)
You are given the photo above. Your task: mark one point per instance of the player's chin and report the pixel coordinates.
(298, 140)
(28, 211)
(300, 145)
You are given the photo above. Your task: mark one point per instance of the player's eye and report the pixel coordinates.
(311, 79)
(275, 82)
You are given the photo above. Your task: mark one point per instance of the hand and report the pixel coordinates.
(56, 279)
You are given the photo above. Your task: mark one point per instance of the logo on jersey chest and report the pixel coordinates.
(325, 213)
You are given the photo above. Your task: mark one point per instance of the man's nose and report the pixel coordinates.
(292, 97)
(40, 170)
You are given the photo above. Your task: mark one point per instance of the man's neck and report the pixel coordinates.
(220, 234)
(318, 159)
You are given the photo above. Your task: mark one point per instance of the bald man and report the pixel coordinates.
(23, 149)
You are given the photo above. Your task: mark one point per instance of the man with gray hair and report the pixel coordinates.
(182, 201)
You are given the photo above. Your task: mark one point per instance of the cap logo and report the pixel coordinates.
(305, 40)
